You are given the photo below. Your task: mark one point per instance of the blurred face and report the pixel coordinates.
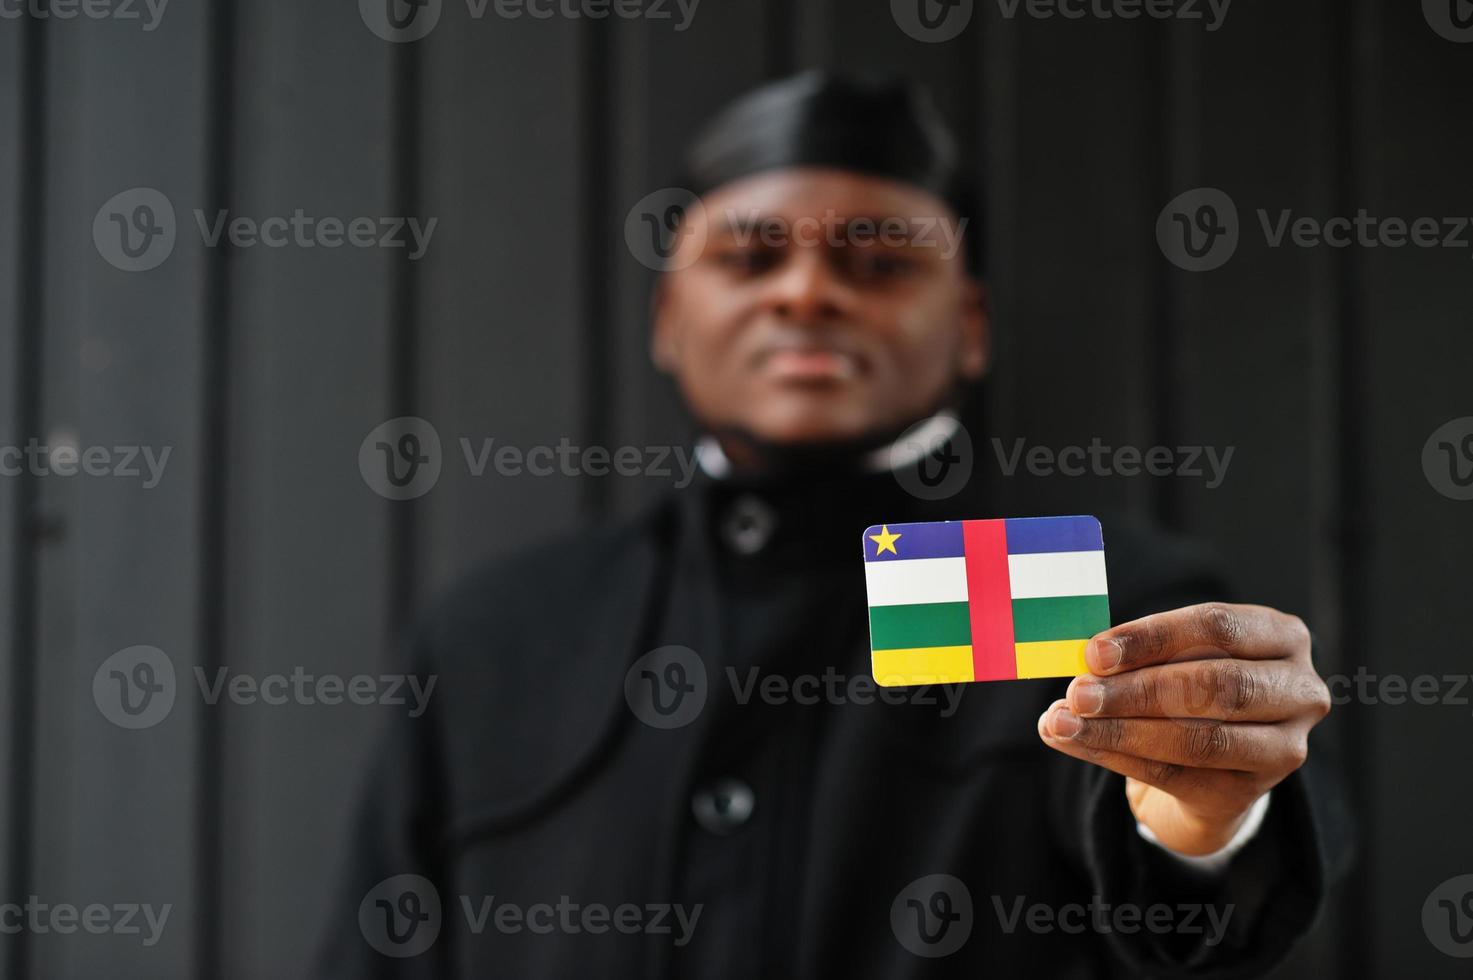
(813, 306)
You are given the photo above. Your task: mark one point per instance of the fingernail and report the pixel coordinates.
(1065, 724)
(1107, 655)
(1087, 696)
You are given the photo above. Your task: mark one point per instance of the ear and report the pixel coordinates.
(663, 332)
(976, 341)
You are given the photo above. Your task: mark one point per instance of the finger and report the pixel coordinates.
(1193, 785)
(1212, 629)
(1184, 742)
(1221, 689)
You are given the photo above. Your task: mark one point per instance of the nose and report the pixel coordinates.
(806, 289)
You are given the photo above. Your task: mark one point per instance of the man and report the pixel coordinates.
(611, 780)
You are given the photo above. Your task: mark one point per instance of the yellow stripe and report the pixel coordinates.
(923, 665)
(1051, 658)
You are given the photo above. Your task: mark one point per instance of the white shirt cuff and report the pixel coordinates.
(1218, 860)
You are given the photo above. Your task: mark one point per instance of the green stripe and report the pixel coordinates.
(921, 624)
(1065, 617)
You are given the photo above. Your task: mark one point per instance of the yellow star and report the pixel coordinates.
(885, 541)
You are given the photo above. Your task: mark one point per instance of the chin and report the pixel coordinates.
(814, 425)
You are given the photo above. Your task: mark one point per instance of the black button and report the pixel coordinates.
(748, 525)
(723, 805)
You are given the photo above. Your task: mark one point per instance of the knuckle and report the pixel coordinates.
(1299, 633)
(1161, 773)
(1207, 743)
(1236, 687)
(1107, 733)
(1319, 699)
(1298, 750)
(1144, 644)
(1221, 625)
(1144, 694)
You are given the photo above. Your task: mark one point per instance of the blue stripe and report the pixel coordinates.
(1034, 535)
(932, 539)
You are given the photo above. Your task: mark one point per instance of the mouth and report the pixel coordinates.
(808, 363)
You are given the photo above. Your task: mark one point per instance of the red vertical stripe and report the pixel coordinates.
(990, 597)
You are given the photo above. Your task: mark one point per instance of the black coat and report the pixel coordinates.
(808, 833)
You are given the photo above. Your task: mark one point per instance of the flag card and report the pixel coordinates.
(961, 601)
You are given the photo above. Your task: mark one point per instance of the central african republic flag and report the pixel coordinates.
(988, 600)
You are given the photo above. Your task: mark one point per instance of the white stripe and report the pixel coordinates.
(912, 580)
(1057, 573)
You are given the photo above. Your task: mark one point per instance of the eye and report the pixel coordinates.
(871, 265)
(746, 261)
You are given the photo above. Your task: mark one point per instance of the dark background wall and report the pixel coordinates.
(263, 549)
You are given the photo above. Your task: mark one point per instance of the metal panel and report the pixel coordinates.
(500, 345)
(15, 556)
(1412, 616)
(307, 550)
(1072, 287)
(115, 808)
